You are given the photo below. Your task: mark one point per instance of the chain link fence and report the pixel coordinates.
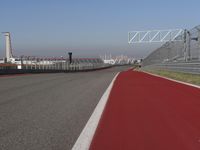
(178, 55)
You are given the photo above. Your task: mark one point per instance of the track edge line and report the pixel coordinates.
(182, 82)
(85, 138)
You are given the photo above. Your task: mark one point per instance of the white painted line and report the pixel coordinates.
(84, 140)
(189, 84)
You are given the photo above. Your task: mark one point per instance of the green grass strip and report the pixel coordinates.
(185, 77)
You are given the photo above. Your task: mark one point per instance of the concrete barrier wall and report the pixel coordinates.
(26, 71)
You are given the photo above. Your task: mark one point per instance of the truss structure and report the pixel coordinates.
(155, 36)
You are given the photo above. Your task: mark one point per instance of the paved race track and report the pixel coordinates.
(145, 112)
(48, 111)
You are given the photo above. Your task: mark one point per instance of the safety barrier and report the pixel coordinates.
(187, 67)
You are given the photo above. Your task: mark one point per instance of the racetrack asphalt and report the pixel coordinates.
(48, 111)
(146, 112)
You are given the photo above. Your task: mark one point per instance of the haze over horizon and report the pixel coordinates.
(89, 28)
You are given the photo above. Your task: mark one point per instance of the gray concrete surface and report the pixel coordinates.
(48, 111)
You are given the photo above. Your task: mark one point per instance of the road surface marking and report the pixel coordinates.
(172, 79)
(148, 112)
(84, 140)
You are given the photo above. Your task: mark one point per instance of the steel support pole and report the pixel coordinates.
(185, 45)
(199, 42)
(189, 45)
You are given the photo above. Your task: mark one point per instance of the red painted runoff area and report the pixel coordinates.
(145, 112)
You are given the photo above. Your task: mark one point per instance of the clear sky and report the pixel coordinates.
(89, 27)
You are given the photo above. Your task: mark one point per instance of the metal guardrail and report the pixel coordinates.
(186, 67)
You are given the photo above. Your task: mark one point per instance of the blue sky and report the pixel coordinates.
(89, 27)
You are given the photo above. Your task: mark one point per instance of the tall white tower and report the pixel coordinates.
(8, 46)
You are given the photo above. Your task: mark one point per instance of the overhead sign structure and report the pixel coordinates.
(155, 36)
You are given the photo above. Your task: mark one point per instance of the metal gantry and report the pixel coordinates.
(155, 36)
(171, 35)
